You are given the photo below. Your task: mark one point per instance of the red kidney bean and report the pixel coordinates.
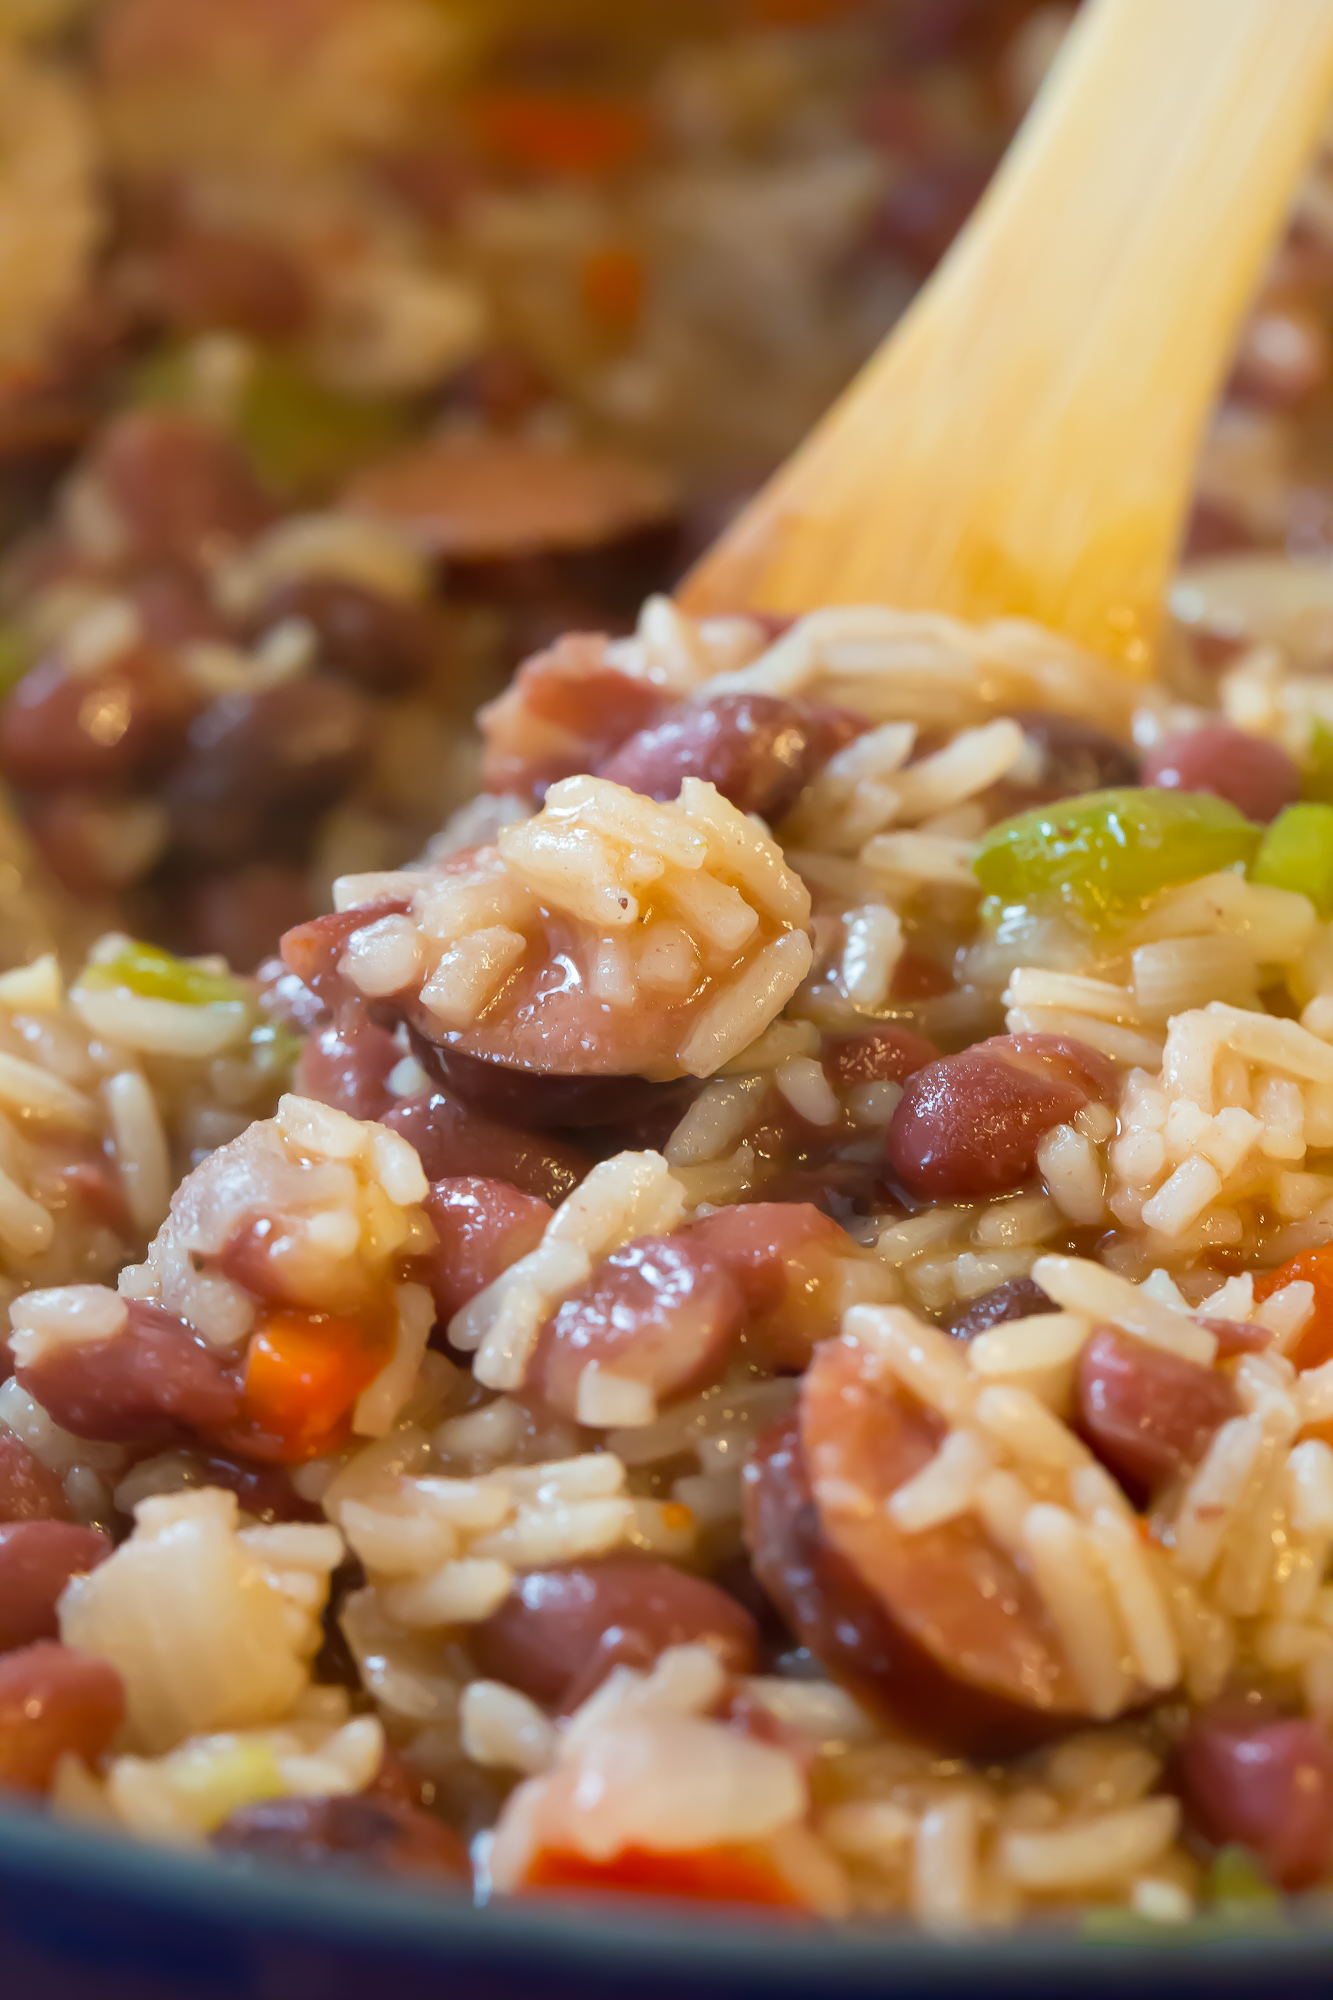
(382, 643)
(660, 1311)
(371, 1831)
(37, 1560)
(148, 1384)
(174, 606)
(970, 1124)
(1147, 1414)
(258, 767)
(1016, 1298)
(789, 1260)
(1265, 1782)
(1284, 357)
(347, 1064)
(241, 912)
(760, 750)
(481, 1228)
(28, 1490)
(565, 712)
(847, 1628)
(1252, 774)
(76, 835)
(60, 728)
(886, 1054)
(204, 278)
(1236, 1337)
(1073, 757)
(453, 1139)
(174, 484)
(54, 1700)
(554, 1623)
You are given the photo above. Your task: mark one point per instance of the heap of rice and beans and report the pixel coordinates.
(756, 1322)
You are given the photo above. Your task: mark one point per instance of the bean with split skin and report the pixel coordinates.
(54, 1701)
(660, 1312)
(553, 1627)
(37, 1560)
(1148, 1414)
(29, 1491)
(1017, 1298)
(970, 1124)
(152, 1382)
(481, 1227)
(1264, 1781)
(760, 750)
(372, 1831)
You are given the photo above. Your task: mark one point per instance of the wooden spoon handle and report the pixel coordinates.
(1025, 441)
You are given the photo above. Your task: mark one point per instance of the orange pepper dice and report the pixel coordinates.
(708, 1875)
(303, 1374)
(1315, 1342)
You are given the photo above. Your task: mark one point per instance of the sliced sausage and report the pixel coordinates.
(37, 1560)
(954, 1594)
(1249, 1776)
(385, 1835)
(148, 1384)
(1147, 1414)
(54, 1700)
(481, 1228)
(28, 1490)
(556, 1623)
(661, 1311)
(760, 750)
(525, 1093)
(970, 1124)
(347, 1063)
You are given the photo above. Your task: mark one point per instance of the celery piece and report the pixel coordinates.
(157, 975)
(1101, 858)
(1297, 853)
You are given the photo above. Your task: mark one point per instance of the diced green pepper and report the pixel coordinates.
(1236, 1877)
(1317, 765)
(1297, 853)
(157, 975)
(1101, 858)
(304, 437)
(15, 657)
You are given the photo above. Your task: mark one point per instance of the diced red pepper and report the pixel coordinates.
(1314, 1267)
(303, 1374)
(546, 132)
(708, 1875)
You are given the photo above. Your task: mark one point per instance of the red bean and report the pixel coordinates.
(1017, 1298)
(760, 751)
(481, 1228)
(174, 606)
(1072, 757)
(1254, 775)
(660, 1311)
(204, 278)
(453, 1139)
(28, 1491)
(565, 712)
(386, 1835)
(969, 1125)
(174, 485)
(148, 1384)
(60, 728)
(554, 1622)
(239, 914)
(382, 643)
(832, 1612)
(347, 1064)
(1266, 1783)
(886, 1054)
(53, 1701)
(789, 1260)
(312, 950)
(259, 767)
(37, 1560)
(1147, 1414)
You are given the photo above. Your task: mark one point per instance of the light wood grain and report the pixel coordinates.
(1025, 441)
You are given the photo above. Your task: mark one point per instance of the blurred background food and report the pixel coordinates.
(351, 350)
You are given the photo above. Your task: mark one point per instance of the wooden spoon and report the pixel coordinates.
(1025, 440)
